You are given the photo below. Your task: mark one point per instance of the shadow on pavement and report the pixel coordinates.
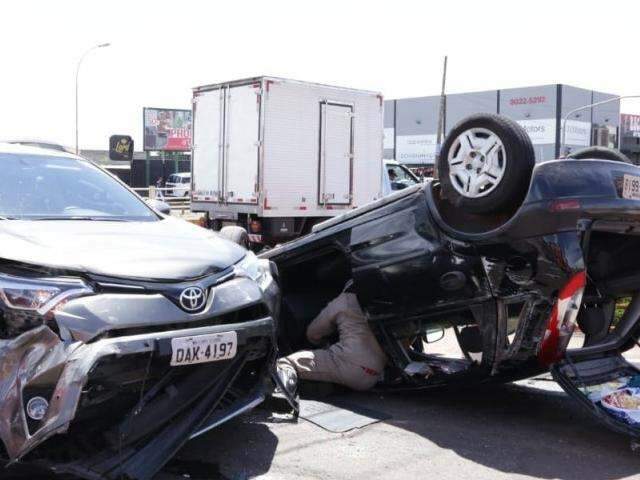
(245, 446)
(515, 430)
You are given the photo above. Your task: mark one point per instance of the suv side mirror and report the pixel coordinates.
(434, 335)
(159, 205)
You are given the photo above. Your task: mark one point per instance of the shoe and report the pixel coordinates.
(289, 378)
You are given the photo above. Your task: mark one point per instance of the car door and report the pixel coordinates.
(336, 154)
(602, 385)
(242, 131)
(207, 155)
(602, 380)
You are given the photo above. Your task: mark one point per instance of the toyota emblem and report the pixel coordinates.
(193, 299)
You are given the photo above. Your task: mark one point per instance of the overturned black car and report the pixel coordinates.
(124, 333)
(506, 256)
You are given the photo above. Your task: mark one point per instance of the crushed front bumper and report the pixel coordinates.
(173, 406)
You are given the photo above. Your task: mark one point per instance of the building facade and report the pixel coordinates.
(411, 123)
(630, 136)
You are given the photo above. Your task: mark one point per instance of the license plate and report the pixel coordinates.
(631, 187)
(213, 347)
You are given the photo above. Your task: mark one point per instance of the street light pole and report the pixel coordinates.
(102, 45)
(441, 110)
(563, 149)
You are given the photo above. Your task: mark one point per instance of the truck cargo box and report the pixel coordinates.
(275, 148)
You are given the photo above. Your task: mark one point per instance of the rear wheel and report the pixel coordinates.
(485, 164)
(599, 153)
(236, 235)
(214, 224)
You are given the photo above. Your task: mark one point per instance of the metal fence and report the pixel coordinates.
(179, 205)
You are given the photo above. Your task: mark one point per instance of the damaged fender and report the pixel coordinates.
(33, 354)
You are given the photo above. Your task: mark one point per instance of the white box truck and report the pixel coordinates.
(277, 156)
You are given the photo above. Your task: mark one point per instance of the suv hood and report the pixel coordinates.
(169, 249)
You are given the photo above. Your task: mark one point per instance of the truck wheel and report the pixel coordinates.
(599, 153)
(485, 164)
(214, 224)
(236, 235)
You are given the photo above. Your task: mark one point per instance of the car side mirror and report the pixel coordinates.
(159, 205)
(434, 335)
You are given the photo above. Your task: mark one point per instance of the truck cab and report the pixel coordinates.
(396, 176)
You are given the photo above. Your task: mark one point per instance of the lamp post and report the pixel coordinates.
(563, 148)
(102, 45)
(440, 119)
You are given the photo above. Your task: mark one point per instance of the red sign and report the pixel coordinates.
(166, 129)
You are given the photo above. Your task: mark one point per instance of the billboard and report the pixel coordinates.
(167, 129)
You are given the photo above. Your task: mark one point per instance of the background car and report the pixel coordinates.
(402, 177)
(178, 185)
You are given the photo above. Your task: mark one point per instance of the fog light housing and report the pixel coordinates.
(37, 408)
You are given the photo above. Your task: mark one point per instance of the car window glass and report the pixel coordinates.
(399, 177)
(35, 187)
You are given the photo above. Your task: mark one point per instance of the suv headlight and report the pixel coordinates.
(257, 269)
(38, 295)
(27, 303)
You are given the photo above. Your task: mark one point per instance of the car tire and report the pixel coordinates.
(599, 153)
(236, 235)
(485, 164)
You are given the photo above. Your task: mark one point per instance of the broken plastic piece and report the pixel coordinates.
(418, 368)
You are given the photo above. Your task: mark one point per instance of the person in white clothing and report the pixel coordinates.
(356, 360)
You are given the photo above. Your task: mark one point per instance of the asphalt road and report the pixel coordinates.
(527, 430)
(530, 429)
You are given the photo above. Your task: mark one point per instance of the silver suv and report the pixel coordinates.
(123, 332)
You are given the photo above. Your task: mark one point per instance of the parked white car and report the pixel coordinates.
(396, 176)
(178, 185)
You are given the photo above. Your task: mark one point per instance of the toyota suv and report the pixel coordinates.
(123, 332)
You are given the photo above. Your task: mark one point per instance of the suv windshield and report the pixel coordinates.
(34, 187)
